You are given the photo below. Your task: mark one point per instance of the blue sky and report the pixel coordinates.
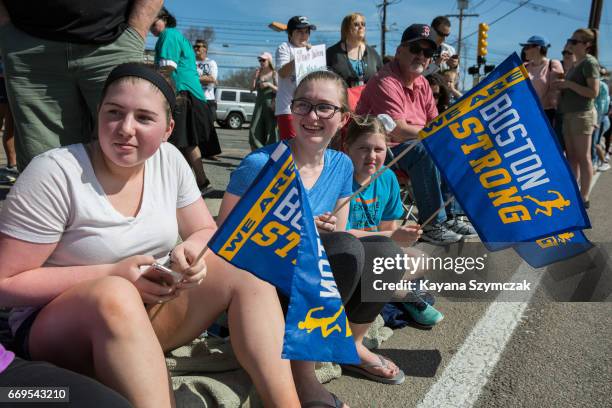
(242, 33)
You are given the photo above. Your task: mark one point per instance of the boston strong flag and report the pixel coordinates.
(503, 163)
(271, 233)
(553, 249)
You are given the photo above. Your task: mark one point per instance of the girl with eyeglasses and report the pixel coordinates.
(579, 89)
(320, 110)
(262, 131)
(351, 57)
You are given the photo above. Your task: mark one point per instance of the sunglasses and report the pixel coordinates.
(441, 34)
(260, 59)
(195, 47)
(574, 42)
(417, 49)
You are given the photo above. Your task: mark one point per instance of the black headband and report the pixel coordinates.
(139, 70)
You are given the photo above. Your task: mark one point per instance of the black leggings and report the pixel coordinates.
(83, 391)
(351, 258)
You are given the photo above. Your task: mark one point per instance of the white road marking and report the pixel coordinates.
(467, 373)
(469, 370)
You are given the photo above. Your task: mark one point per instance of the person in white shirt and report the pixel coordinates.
(298, 34)
(441, 27)
(208, 72)
(80, 232)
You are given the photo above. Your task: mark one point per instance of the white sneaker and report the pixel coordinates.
(604, 167)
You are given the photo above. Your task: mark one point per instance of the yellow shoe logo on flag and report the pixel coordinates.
(547, 207)
(311, 323)
(555, 240)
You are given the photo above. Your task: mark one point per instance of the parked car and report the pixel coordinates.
(234, 106)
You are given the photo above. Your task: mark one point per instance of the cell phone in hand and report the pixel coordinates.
(166, 273)
(162, 274)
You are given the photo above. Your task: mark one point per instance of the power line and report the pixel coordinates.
(492, 8)
(546, 9)
(477, 5)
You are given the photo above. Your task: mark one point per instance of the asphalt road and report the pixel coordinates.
(549, 348)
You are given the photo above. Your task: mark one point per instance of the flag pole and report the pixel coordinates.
(377, 175)
(200, 255)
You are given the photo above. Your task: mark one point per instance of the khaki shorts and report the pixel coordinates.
(577, 124)
(55, 87)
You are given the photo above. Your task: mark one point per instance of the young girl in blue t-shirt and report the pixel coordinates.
(320, 109)
(375, 210)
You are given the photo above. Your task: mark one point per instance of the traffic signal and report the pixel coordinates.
(483, 29)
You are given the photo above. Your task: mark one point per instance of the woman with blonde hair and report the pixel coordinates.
(351, 58)
(579, 89)
(263, 125)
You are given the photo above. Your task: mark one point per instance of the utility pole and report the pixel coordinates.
(595, 15)
(383, 28)
(462, 5)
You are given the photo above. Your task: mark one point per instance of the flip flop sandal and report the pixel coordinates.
(361, 369)
(313, 404)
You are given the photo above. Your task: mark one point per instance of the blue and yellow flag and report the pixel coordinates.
(553, 249)
(271, 233)
(500, 157)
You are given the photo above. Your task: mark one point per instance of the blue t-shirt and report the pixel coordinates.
(380, 201)
(357, 66)
(333, 184)
(173, 46)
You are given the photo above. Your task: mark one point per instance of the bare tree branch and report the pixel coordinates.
(194, 33)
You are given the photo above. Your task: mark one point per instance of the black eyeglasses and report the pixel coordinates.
(574, 42)
(260, 59)
(195, 47)
(441, 34)
(302, 107)
(417, 49)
